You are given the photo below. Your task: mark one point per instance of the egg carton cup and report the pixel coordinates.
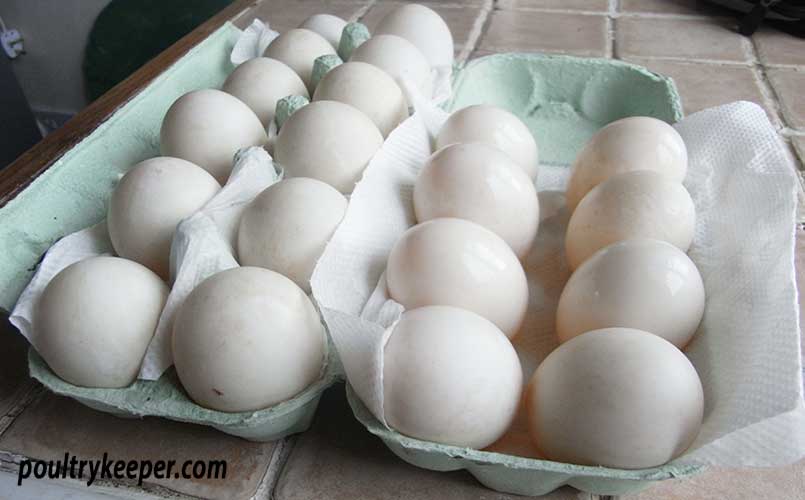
(747, 348)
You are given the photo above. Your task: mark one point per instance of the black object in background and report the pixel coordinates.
(785, 15)
(18, 129)
(129, 33)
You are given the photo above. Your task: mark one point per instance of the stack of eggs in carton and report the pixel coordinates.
(617, 392)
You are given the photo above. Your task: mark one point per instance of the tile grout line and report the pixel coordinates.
(612, 12)
(770, 97)
(24, 396)
(279, 458)
(361, 12)
(477, 32)
(619, 13)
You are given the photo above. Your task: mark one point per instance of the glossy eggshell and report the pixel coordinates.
(634, 143)
(398, 57)
(148, 203)
(367, 88)
(245, 339)
(424, 28)
(495, 126)
(328, 26)
(207, 127)
(329, 141)
(95, 319)
(645, 284)
(261, 82)
(286, 227)
(615, 397)
(639, 204)
(459, 263)
(480, 183)
(299, 48)
(450, 376)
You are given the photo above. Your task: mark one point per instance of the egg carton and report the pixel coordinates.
(563, 100)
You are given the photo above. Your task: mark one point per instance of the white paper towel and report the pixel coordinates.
(203, 245)
(747, 350)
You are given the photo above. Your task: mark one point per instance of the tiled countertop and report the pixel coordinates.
(690, 41)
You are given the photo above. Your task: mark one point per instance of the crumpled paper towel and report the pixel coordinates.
(257, 36)
(747, 349)
(203, 245)
(252, 42)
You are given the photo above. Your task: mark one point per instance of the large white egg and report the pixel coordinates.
(635, 143)
(148, 203)
(246, 339)
(616, 397)
(494, 126)
(261, 82)
(286, 227)
(328, 26)
(207, 127)
(645, 284)
(299, 48)
(455, 262)
(424, 28)
(329, 141)
(480, 183)
(398, 57)
(369, 89)
(450, 376)
(95, 319)
(639, 204)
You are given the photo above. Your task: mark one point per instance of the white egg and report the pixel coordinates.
(369, 89)
(286, 227)
(645, 284)
(148, 203)
(261, 82)
(424, 28)
(494, 126)
(455, 262)
(399, 58)
(639, 204)
(326, 25)
(95, 319)
(450, 376)
(616, 397)
(299, 48)
(207, 127)
(480, 183)
(635, 143)
(246, 339)
(329, 141)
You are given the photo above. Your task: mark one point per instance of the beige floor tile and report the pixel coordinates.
(532, 31)
(460, 20)
(706, 85)
(13, 365)
(337, 459)
(283, 15)
(55, 425)
(686, 7)
(776, 47)
(782, 483)
(686, 38)
(586, 5)
(789, 86)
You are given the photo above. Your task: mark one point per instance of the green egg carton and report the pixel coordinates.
(513, 474)
(563, 100)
